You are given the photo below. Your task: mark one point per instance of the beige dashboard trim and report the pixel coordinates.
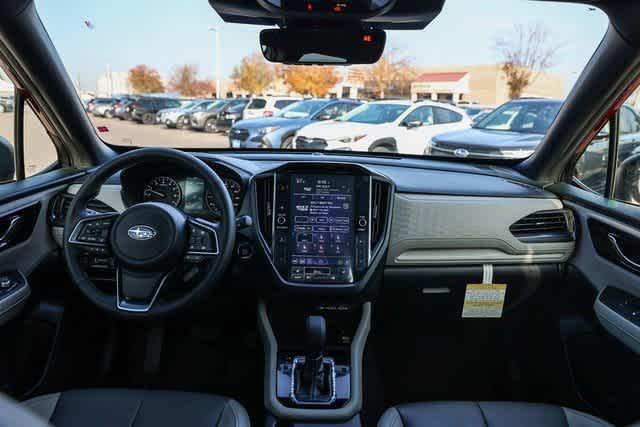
(463, 230)
(110, 194)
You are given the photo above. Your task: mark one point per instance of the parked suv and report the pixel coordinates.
(95, 102)
(178, 117)
(384, 126)
(104, 108)
(144, 109)
(230, 114)
(206, 120)
(512, 130)
(278, 131)
(266, 106)
(184, 103)
(122, 109)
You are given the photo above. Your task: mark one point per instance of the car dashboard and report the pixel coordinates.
(336, 225)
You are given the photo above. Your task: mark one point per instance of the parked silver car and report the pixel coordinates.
(177, 117)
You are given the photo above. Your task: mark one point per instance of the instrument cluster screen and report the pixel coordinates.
(322, 234)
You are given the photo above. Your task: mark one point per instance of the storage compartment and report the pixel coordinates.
(440, 290)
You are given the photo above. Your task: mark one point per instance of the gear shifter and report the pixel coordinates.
(313, 374)
(316, 336)
(316, 341)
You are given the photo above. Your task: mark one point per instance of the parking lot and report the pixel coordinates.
(134, 134)
(39, 151)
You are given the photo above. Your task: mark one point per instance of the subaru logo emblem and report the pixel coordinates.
(461, 152)
(142, 232)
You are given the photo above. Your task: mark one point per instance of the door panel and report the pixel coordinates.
(25, 238)
(608, 255)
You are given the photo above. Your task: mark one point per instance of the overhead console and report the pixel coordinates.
(380, 14)
(323, 225)
(327, 31)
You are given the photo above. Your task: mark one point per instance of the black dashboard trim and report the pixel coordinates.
(418, 176)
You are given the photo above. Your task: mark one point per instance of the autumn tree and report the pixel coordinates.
(314, 80)
(185, 81)
(525, 53)
(253, 74)
(144, 79)
(391, 75)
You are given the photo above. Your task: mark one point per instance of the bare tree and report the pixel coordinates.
(391, 75)
(525, 52)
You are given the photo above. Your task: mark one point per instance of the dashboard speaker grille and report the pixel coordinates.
(545, 226)
(264, 190)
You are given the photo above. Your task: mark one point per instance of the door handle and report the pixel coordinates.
(619, 252)
(14, 226)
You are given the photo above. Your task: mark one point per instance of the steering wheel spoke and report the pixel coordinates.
(137, 291)
(203, 240)
(91, 232)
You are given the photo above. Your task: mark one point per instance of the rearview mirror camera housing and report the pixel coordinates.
(332, 46)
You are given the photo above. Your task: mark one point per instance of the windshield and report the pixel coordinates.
(512, 79)
(521, 116)
(216, 105)
(235, 107)
(375, 113)
(301, 109)
(473, 111)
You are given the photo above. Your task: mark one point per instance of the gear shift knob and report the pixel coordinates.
(316, 337)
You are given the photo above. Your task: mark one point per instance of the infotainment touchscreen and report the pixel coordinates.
(322, 234)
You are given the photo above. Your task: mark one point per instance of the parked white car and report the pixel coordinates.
(266, 106)
(384, 126)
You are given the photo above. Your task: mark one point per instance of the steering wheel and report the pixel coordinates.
(149, 242)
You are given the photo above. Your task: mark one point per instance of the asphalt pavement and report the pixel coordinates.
(122, 132)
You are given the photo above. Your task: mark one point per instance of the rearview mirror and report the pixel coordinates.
(323, 117)
(7, 165)
(322, 47)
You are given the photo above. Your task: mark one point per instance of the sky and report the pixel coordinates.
(166, 33)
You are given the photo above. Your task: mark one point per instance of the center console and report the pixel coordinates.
(313, 359)
(324, 230)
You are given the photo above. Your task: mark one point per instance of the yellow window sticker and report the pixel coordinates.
(486, 300)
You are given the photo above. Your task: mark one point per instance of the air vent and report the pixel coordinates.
(545, 227)
(380, 192)
(264, 190)
(60, 206)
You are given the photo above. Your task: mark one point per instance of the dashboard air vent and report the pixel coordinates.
(60, 205)
(545, 227)
(380, 192)
(264, 191)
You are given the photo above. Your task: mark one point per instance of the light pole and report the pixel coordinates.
(217, 32)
